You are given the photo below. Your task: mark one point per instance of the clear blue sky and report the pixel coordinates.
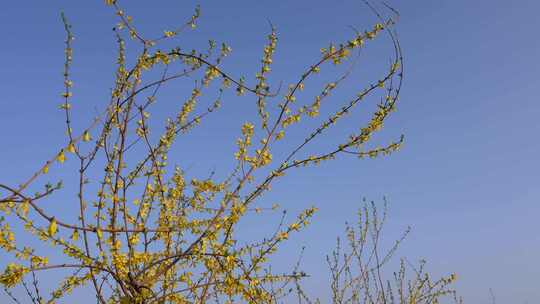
(466, 179)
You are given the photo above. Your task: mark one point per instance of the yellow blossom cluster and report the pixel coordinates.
(12, 275)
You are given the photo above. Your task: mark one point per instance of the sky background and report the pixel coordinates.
(466, 180)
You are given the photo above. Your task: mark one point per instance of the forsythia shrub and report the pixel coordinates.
(150, 234)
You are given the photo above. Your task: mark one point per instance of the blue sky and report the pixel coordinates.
(466, 180)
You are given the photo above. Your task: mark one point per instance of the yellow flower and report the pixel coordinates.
(53, 227)
(71, 148)
(75, 235)
(61, 158)
(65, 106)
(280, 135)
(86, 136)
(294, 226)
(247, 129)
(38, 261)
(46, 169)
